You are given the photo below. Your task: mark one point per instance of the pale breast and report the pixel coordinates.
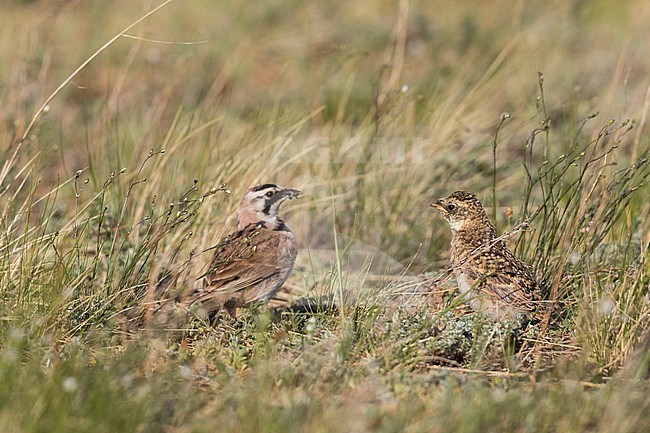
(287, 247)
(468, 290)
(287, 251)
(464, 283)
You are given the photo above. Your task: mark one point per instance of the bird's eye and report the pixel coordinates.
(269, 194)
(451, 207)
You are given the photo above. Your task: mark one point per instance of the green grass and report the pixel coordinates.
(135, 168)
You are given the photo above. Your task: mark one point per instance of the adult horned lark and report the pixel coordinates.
(494, 281)
(250, 265)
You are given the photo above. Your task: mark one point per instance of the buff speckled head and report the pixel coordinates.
(461, 209)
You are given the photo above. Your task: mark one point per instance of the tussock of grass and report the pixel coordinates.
(112, 199)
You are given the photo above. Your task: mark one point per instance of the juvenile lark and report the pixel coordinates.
(250, 265)
(493, 280)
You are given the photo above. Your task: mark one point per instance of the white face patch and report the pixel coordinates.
(264, 205)
(260, 200)
(266, 208)
(257, 200)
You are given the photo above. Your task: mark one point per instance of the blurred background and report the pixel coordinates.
(374, 109)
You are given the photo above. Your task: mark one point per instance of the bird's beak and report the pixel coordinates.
(290, 193)
(438, 205)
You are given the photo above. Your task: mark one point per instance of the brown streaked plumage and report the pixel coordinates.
(250, 265)
(494, 281)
